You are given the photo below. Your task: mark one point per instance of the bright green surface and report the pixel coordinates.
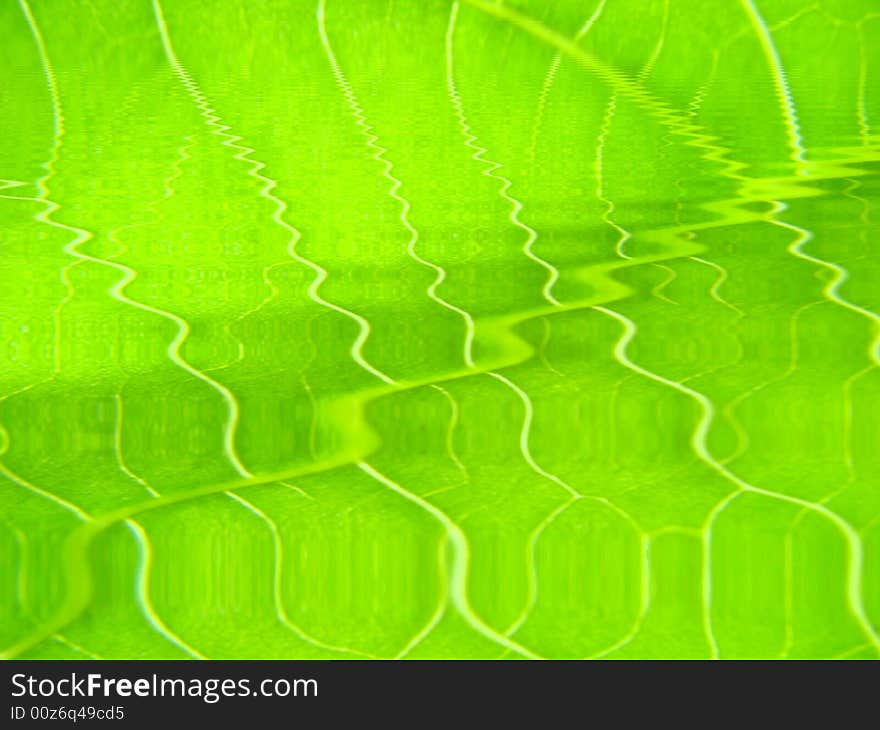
(404, 327)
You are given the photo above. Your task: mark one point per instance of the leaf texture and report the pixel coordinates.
(437, 329)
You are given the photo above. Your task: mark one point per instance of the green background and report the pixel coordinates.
(414, 328)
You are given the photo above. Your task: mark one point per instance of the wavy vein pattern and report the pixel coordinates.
(552, 333)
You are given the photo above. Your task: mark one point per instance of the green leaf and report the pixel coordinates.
(423, 328)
